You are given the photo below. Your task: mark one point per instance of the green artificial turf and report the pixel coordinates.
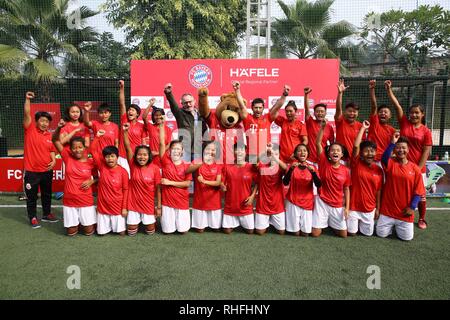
(217, 266)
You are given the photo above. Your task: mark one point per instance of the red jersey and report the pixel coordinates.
(313, 127)
(238, 181)
(69, 127)
(346, 132)
(135, 134)
(175, 197)
(402, 183)
(270, 197)
(142, 187)
(153, 133)
(257, 131)
(77, 172)
(300, 190)
(366, 182)
(226, 137)
(291, 136)
(207, 197)
(112, 188)
(37, 148)
(381, 134)
(418, 138)
(110, 136)
(333, 182)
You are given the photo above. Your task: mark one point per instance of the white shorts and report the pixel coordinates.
(404, 230)
(364, 221)
(107, 223)
(124, 164)
(175, 220)
(246, 222)
(206, 218)
(135, 218)
(324, 215)
(278, 221)
(298, 218)
(86, 216)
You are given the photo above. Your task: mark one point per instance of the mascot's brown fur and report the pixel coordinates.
(227, 111)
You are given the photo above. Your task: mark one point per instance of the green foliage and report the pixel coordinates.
(179, 29)
(306, 32)
(104, 57)
(36, 37)
(408, 38)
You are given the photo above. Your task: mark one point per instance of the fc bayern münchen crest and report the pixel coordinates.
(200, 76)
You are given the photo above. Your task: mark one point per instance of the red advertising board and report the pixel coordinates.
(263, 78)
(11, 175)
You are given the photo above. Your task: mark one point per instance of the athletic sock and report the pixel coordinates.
(422, 210)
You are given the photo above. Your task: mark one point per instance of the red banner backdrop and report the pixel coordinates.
(11, 175)
(259, 78)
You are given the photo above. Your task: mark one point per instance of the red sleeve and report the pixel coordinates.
(123, 119)
(94, 126)
(404, 122)
(247, 121)
(339, 120)
(419, 188)
(331, 137)
(124, 188)
(96, 156)
(428, 141)
(224, 174)
(65, 154)
(189, 175)
(348, 181)
(157, 174)
(303, 131)
(116, 131)
(279, 120)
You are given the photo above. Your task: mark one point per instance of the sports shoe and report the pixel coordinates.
(50, 218)
(422, 224)
(35, 223)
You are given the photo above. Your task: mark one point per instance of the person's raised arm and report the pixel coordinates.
(341, 88)
(320, 137)
(387, 153)
(307, 91)
(55, 136)
(147, 111)
(242, 107)
(393, 99)
(172, 103)
(277, 106)
(358, 139)
(65, 138)
(126, 141)
(27, 109)
(162, 137)
(203, 105)
(193, 167)
(87, 108)
(122, 107)
(373, 97)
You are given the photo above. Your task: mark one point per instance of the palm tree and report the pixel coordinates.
(306, 32)
(35, 35)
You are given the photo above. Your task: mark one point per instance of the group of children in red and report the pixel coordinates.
(302, 185)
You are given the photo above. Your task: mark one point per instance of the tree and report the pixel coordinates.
(408, 38)
(306, 32)
(104, 58)
(179, 29)
(36, 36)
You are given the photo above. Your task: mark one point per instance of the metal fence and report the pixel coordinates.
(432, 92)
